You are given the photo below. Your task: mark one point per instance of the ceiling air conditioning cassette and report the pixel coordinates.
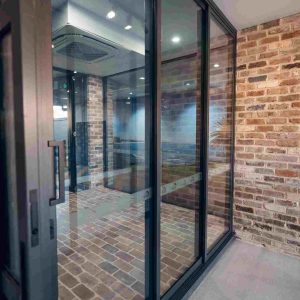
(83, 47)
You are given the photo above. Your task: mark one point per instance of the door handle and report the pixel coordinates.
(61, 172)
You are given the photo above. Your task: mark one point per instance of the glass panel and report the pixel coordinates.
(180, 138)
(100, 98)
(9, 248)
(127, 126)
(220, 132)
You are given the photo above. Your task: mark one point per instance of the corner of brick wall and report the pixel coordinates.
(267, 183)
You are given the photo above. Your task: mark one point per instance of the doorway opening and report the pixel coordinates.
(102, 110)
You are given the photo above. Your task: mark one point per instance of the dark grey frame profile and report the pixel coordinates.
(180, 288)
(9, 284)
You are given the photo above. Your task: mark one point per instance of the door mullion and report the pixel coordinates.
(205, 131)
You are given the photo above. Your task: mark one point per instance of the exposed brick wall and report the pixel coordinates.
(95, 128)
(109, 131)
(267, 183)
(220, 127)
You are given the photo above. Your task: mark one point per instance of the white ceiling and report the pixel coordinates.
(247, 13)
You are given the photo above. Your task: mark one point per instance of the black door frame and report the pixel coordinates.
(181, 287)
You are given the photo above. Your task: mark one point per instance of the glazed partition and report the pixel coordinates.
(134, 147)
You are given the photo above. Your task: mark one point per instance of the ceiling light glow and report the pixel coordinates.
(127, 27)
(142, 78)
(111, 14)
(176, 39)
(216, 65)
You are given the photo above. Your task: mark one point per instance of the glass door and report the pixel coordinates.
(122, 146)
(100, 102)
(181, 139)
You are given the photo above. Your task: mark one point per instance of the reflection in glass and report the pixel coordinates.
(180, 138)
(99, 108)
(220, 132)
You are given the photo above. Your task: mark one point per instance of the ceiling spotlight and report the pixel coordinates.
(53, 46)
(216, 65)
(127, 102)
(176, 39)
(142, 78)
(111, 14)
(75, 71)
(187, 84)
(127, 27)
(131, 93)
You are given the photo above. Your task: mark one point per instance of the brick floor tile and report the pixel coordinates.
(68, 280)
(139, 287)
(124, 266)
(83, 292)
(122, 290)
(125, 278)
(170, 262)
(104, 292)
(106, 254)
(111, 249)
(63, 260)
(88, 280)
(106, 278)
(73, 268)
(139, 264)
(66, 251)
(108, 267)
(65, 294)
(125, 256)
(90, 268)
(77, 258)
(138, 274)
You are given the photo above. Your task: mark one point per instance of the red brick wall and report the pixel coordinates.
(267, 183)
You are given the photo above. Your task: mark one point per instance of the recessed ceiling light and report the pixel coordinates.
(142, 78)
(130, 93)
(75, 71)
(216, 65)
(128, 102)
(176, 39)
(111, 14)
(127, 27)
(53, 46)
(187, 84)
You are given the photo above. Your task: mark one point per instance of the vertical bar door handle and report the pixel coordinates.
(61, 172)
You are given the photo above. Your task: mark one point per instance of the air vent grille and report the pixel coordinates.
(82, 51)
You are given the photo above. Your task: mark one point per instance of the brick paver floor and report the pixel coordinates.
(101, 244)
